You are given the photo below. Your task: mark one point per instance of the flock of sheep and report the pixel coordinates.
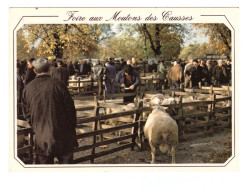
(160, 129)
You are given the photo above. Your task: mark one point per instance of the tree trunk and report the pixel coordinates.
(157, 46)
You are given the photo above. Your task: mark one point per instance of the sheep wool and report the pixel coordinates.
(161, 131)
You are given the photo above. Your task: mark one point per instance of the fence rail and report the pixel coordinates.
(190, 125)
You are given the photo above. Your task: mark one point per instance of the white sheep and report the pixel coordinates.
(161, 131)
(114, 121)
(168, 101)
(157, 99)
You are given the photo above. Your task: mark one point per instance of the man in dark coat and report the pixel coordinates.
(87, 68)
(210, 71)
(50, 110)
(220, 74)
(129, 80)
(196, 73)
(205, 74)
(70, 68)
(30, 73)
(84, 68)
(60, 73)
(110, 78)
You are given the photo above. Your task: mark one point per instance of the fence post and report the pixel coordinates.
(104, 96)
(200, 85)
(140, 132)
(137, 95)
(229, 104)
(162, 88)
(211, 89)
(190, 84)
(173, 93)
(95, 127)
(92, 84)
(212, 109)
(135, 129)
(180, 112)
(31, 143)
(79, 85)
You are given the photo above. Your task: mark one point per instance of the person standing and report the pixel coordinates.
(205, 73)
(220, 74)
(110, 77)
(30, 73)
(61, 73)
(97, 75)
(229, 69)
(50, 111)
(161, 70)
(210, 71)
(187, 74)
(71, 68)
(123, 63)
(175, 75)
(129, 80)
(196, 73)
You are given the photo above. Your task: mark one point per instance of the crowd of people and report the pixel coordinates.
(47, 104)
(124, 75)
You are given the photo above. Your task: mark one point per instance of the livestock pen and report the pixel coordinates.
(210, 116)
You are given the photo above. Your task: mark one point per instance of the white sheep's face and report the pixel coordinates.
(157, 101)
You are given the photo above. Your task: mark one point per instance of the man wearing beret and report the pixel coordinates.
(50, 110)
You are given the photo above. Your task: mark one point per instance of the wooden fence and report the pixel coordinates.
(98, 131)
(82, 87)
(208, 116)
(25, 152)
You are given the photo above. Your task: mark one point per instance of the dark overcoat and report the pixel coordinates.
(50, 110)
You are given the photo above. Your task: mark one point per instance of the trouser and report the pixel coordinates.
(175, 85)
(100, 86)
(109, 87)
(187, 81)
(65, 158)
(129, 99)
(162, 82)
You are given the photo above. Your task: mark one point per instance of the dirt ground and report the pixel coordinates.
(213, 148)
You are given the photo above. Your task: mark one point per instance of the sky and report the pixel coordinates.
(198, 38)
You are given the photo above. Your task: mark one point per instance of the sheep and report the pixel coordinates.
(168, 101)
(114, 121)
(129, 107)
(157, 99)
(161, 131)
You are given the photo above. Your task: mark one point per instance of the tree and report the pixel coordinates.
(22, 46)
(122, 46)
(165, 40)
(64, 39)
(219, 36)
(197, 51)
